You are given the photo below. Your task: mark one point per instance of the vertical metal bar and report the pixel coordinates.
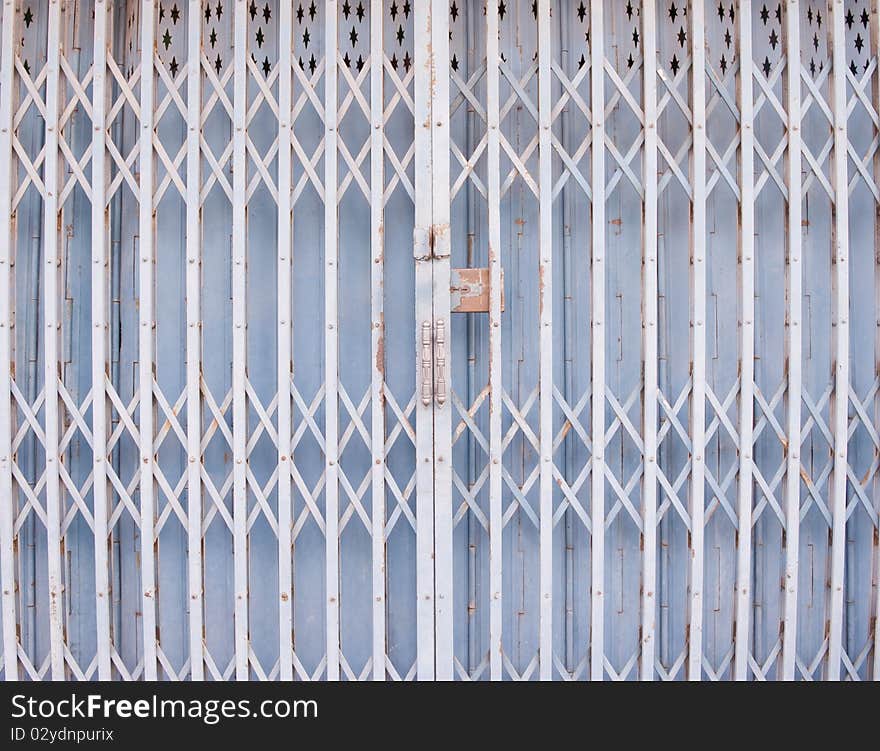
(331, 401)
(794, 282)
(377, 299)
(100, 326)
(285, 338)
(568, 336)
(597, 479)
(493, 184)
(440, 218)
(698, 366)
(7, 251)
(473, 388)
(840, 336)
(145, 345)
(875, 25)
(650, 303)
(194, 337)
(424, 314)
(239, 340)
(747, 346)
(545, 304)
(51, 295)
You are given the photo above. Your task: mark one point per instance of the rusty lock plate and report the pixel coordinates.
(469, 290)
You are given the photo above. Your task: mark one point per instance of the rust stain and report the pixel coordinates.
(380, 347)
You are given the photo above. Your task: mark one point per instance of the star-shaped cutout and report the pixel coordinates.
(259, 37)
(453, 11)
(252, 9)
(175, 14)
(267, 13)
(306, 37)
(859, 43)
(219, 11)
(166, 39)
(213, 37)
(673, 13)
(346, 9)
(765, 15)
(360, 11)
(675, 65)
(353, 36)
(218, 63)
(312, 12)
(400, 35)
(581, 12)
(393, 10)
(299, 14)
(773, 39)
(312, 63)
(266, 66)
(765, 66)
(682, 37)
(174, 66)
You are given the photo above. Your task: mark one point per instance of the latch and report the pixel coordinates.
(469, 290)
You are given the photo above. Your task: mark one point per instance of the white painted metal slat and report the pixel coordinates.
(545, 370)
(331, 341)
(51, 295)
(496, 385)
(597, 296)
(377, 340)
(747, 347)
(794, 338)
(146, 249)
(441, 250)
(650, 351)
(285, 339)
(239, 340)
(194, 339)
(840, 336)
(100, 327)
(698, 332)
(7, 255)
(424, 318)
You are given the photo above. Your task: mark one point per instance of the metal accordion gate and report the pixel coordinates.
(397, 339)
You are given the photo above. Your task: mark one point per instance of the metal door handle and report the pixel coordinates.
(440, 361)
(427, 376)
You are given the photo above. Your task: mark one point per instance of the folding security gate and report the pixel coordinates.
(439, 338)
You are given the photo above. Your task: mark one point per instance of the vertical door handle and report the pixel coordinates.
(427, 375)
(440, 361)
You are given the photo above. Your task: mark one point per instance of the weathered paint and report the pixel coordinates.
(648, 446)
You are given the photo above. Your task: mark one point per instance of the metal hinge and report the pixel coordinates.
(433, 362)
(440, 361)
(427, 375)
